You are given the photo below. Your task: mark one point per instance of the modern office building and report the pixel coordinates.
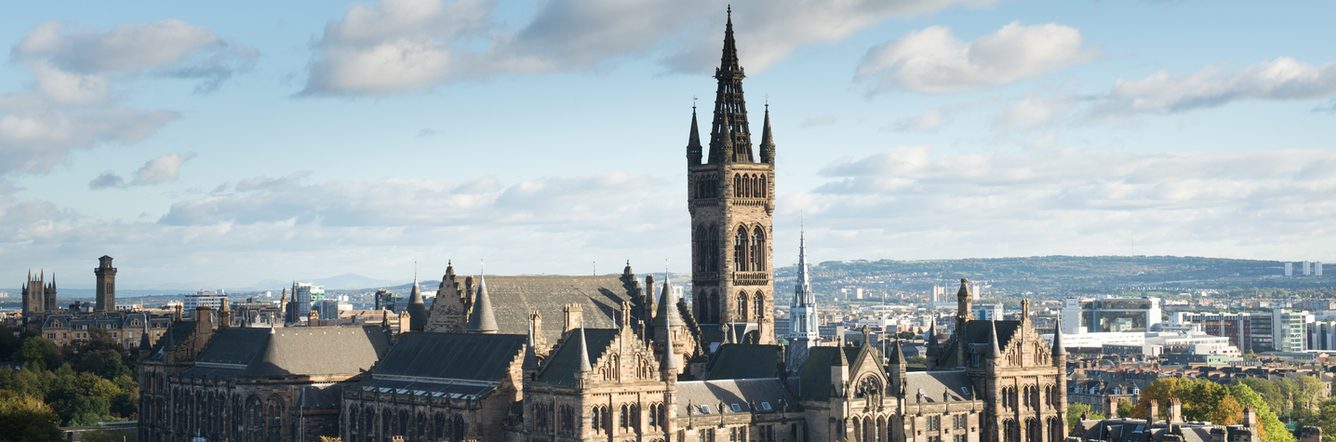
(1112, 315)
(1287, 330)
(213, 299)
(988, 312)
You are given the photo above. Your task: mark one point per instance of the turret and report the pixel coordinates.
(417, 308)
(767, 140)
(668, 365)
(585, 367)
(694, 149)
(995, 350)
(530, 364)
(896, 369)
(1059, 353)
(934, 352)
(482, 320)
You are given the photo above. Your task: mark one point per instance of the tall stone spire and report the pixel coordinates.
(767, 139)
(417, 308)
(668, 363)
(802, 292)
(694, 149)
(583, 348)
(1059, 353)
(730, 107)
(996, 349)
(482, 320)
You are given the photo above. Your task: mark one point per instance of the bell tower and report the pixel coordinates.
(731, 198)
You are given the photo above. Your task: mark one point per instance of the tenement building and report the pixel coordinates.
(614, 358)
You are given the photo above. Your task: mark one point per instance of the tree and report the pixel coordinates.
(103, 362)
(1074, 412)
(9, 342)
(1202, 400)
(1125, 407)
(26, 418)
(1273, 430)
(81, 398)
(39, 352)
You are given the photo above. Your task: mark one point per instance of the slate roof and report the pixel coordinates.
(976, 333)
(178, 333)
(743, 361)
(483, 357)
(955, 383)
(319, 351)
(564, 363)
(814, 375)
(737, 395)
(289, 351)
(514, 297)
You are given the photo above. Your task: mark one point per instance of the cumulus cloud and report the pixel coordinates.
(933, 60)
(1078, 201)
(398, 46)
(1283, 78)
(67, 57)
(75, 70)
(36, 135)
(163, 169)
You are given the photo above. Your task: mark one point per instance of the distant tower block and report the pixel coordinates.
(1308, 268)
(106, 285)
(1317, 269)
(1289, 269)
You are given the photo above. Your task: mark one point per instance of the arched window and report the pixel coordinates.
(740, 250)
(712, 248)
(737, 185)
(757, 191)
(625, 417)
(758, 306)
(742, 306)
(758, 249)
(764, 189)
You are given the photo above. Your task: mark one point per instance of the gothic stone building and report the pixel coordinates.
(619, 357)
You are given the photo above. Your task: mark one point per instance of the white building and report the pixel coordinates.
(1289, 269)
(203, 298)
(1288, 329)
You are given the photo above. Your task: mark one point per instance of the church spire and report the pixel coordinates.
(669, 363)
(730, 107)
(694, 150)
(802, 293)
(583, 348)
(1059, 353)
(767, 139)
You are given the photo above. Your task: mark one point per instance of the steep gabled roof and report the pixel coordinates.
(978, 332)
(564, 363)
(743, 361)
(814, 374)
(513, 298)
(468, 356)
(313, 351)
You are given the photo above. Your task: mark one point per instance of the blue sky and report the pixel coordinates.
(224, 144)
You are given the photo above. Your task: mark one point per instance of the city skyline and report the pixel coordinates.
(199, 146)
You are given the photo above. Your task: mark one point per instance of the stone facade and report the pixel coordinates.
(731, 197)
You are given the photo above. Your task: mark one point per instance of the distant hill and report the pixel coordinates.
(1057, 275)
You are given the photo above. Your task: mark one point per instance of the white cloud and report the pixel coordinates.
(75, 70)
(1283, 78)
(163, 169)
(919, 202)
(65, 58)
(933, 60)
(399, 46)
(928, 121)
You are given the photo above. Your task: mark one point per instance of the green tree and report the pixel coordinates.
(1202, 400)
(107, 363)
(1273, 430)
(26, 418)
(9, 342)
(1125, 407)
(1074, 412)
(81, 398)
(39, 352)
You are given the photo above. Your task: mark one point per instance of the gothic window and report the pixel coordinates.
(742, 306)
(457, 425)
(567, 420)
(758, 249)
(740, 250)
(698, 248)
(654, 415)
(712, 251)
(758, 306)
(438, 426)
(737, 185)
(625, 421)
(764, 188)
(934, 423)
